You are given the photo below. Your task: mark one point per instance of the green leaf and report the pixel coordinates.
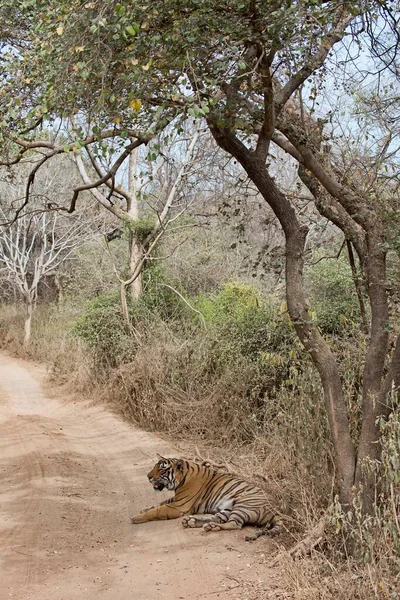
(132, 29)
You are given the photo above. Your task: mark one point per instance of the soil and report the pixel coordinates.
(71, 476)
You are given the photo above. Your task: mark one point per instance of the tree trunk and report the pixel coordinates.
(358, 286)
(325, 363)
(125, 312)
(369, 448)
(307, 331)
(135, 247)
(28, 323)
(370, 244)
(136, 254)
(124, 305)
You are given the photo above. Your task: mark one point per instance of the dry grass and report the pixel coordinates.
(317, 578)
(51, 343)
(168, 388)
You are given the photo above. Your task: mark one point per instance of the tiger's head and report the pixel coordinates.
(167, 473)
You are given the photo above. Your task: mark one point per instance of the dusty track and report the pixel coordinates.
(71, 475)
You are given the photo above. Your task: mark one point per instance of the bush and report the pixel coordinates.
(159, 299)
(102, 328)
(333, 295)
(243, 324)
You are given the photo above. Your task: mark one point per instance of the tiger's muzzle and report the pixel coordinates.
(158, 484)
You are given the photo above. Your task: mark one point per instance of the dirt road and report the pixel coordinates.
(71, 475)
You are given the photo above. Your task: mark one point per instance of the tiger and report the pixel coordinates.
(200, 489)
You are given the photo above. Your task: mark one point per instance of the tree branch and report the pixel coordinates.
(110, 173)
(268, 126)
(168, 204)
(101, 199)
(314, 62)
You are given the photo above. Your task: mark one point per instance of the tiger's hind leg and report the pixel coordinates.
(192, 521)
(230, 519)
(273, 528)
(252, 537)
(197, 521)
(236, 518)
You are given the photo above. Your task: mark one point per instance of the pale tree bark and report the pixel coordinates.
(135, 246)
(28, 322)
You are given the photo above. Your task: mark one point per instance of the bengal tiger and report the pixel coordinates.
(201, 489)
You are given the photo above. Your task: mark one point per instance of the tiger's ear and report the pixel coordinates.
(179, 465)
(160, 457)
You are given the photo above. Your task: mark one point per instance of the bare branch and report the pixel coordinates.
(119, 191)
(314, 62)
(96, 193)
(95, 184)
(187, 303)
(162, 219)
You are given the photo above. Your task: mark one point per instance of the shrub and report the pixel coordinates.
(333, 295)
(102, 328)
(158, 298)
(241, 323)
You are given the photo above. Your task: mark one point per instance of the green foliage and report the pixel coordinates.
(235, 301)
(244, 329)
(112, 56)
(102, 326)
(333, 295)
(141, 228)
(103, 329)
(158, 298)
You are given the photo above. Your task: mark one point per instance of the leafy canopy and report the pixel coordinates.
(127, 63)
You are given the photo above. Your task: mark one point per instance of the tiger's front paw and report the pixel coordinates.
(136, 520)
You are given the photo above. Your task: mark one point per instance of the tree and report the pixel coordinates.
(145, 231)
(36, 243)
(246, 67)
(34, 247)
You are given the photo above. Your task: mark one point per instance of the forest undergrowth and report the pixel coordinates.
(230, 383)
